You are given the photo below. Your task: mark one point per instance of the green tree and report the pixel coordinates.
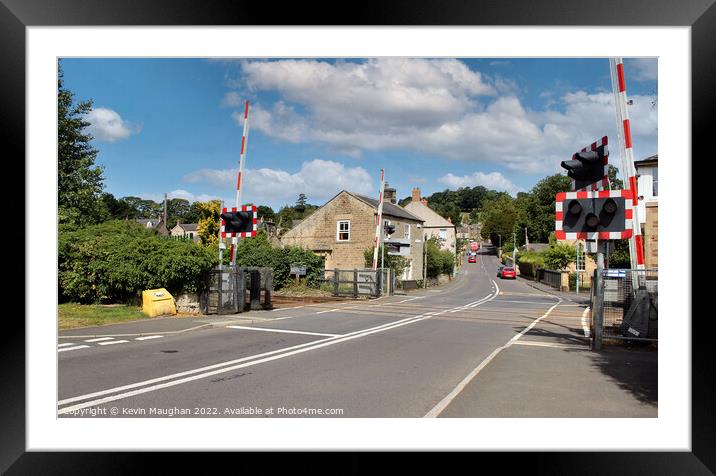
(265, 212)
(559, 256)
(177, 211)
(79, 180)
(301, 203)
(499, 218)
(117, 209)
(614, 182)
(396, 263)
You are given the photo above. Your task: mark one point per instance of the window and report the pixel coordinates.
(406, 232)
(443, 234)
(655, 182)
(343, 230)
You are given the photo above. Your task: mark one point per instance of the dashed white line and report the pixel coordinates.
(99, 339)
(65, 344)
(330, 310)
(285, 331)
(64, 349)
(112, 342)
(148, 337)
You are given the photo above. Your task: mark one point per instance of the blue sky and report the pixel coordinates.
(321, 125)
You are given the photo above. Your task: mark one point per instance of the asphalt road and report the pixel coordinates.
(400, 356)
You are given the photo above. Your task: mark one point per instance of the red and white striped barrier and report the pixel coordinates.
(378, 219)
(245, 208)
(244, 141)
(560, 234)
(604, 183)
(636, 245)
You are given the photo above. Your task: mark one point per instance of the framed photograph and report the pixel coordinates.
(197, 160)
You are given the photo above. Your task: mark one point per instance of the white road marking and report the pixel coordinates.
(99, 339)
(551, 344)
(65, 344)
(284, 331)
(585, 325)
(72, 348)
(112, 342)
(148, 337)
(221, 365)
(331, 310)
(284, 308)
(443, 404)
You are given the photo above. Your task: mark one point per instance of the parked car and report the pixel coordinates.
(472, 258)
(508, 272)
(499, 270)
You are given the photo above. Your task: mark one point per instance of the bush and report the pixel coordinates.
(558, 256)
(116, 260)
(530, 262)
(438, 261)
(258, 251)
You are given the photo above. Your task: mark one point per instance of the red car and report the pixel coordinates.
(508, 273)
(472, 258)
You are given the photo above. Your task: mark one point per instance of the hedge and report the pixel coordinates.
(258, 251)
(530, 262)
(116, 260)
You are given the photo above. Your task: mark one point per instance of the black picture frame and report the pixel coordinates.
(700, 15)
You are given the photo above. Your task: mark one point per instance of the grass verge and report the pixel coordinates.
(72, 315)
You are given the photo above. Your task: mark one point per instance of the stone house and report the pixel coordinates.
(434, 225)
(647, 171)
(344, 227)
(154, 224)
(186, 230)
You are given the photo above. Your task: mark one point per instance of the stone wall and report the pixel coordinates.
(188, 303)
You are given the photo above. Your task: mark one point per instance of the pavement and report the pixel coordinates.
(475, 347)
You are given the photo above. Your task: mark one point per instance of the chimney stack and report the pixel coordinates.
(416, 194)
(389, 194)
(449, 219)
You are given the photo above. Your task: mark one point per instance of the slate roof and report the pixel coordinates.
(388, 208)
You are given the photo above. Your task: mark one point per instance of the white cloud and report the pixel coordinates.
(492, 181)
(641, 69)
(318, 179)
(232, 99)
(108, 126)
(436, 107)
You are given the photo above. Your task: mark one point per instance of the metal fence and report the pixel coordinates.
(625, 304)
(359, 282)
(549, 277)
(226, 293)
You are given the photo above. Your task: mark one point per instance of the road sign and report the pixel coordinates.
(298, 269)
(604, 215)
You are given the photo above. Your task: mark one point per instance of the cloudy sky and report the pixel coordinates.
(318, 126)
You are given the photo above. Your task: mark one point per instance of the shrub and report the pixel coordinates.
(530, 262)
(258, 251)
(114, 261)
(559, 256)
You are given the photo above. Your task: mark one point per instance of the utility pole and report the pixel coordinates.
(165, 212)
(425, 261)
(576, 268)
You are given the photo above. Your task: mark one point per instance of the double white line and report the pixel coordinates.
(126, 391)
(487, 298)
